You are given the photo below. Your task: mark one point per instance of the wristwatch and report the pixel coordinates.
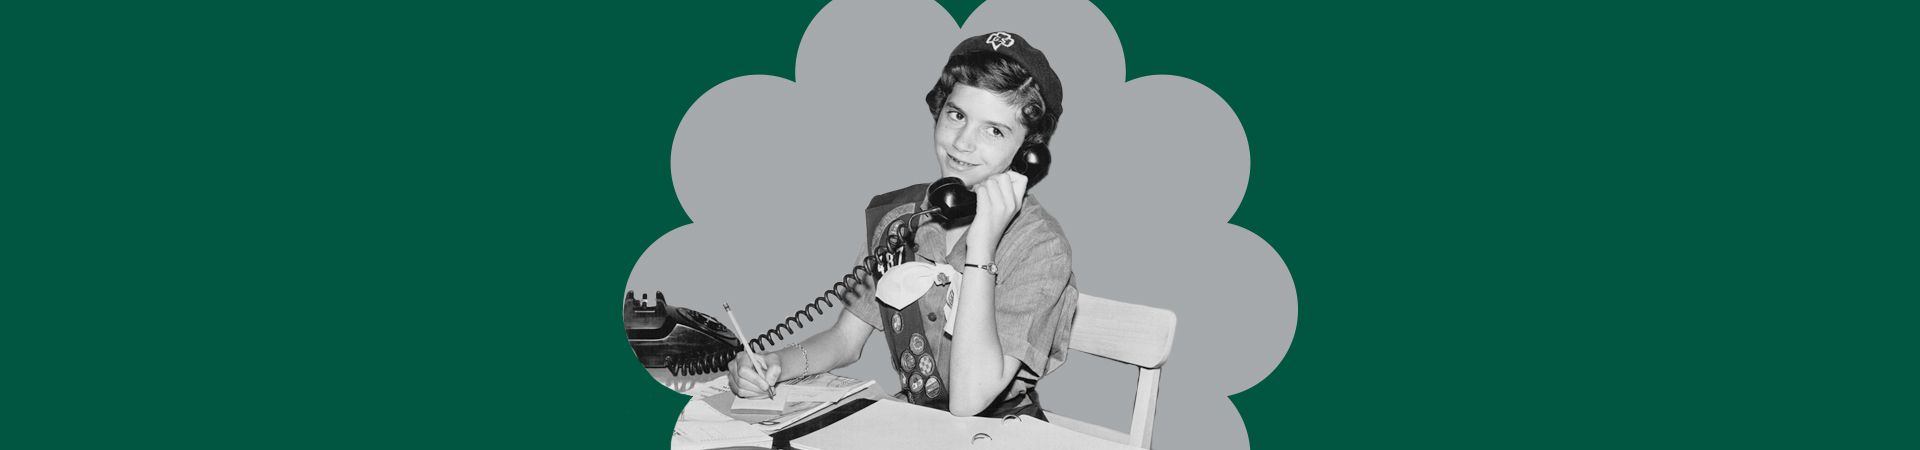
(989, 267)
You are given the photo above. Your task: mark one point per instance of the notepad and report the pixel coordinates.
(823, 390)
(769, 405)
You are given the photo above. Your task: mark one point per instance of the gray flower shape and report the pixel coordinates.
(1146, 174)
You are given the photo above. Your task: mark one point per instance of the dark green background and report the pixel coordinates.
(1513, 224)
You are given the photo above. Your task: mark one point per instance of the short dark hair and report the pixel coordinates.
(1004, 77)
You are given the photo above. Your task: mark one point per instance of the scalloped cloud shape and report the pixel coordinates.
(776, 174)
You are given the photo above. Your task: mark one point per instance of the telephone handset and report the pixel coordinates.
(679, 339)
(688, 342)
(952, 200)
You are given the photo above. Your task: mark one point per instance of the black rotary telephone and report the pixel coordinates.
(687, 342)
(679, 339)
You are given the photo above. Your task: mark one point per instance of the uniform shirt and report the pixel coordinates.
(1034, 302)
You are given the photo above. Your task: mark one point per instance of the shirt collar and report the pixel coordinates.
(931, 240)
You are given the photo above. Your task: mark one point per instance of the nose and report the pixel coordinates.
(964, 141)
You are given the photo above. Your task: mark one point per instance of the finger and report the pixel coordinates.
(1019, 185)
(752, 360)
(765, 387)
(1006, 192)
(733, 383)
(985, 192)
(748, 376)
(752, 386)
(1008, 200)
(759, 376)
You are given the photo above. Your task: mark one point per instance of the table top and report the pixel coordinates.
(843, 426)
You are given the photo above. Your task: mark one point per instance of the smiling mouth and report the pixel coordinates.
(962, 164)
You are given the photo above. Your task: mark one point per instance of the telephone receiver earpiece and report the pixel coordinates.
(952, 200)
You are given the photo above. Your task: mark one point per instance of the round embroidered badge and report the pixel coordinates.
(933, 386)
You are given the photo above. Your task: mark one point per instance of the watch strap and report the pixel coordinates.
(989, 267)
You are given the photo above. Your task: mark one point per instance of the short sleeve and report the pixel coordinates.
(857, 301)
(1035, 297)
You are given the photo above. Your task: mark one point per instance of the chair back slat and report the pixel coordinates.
(1129, 333)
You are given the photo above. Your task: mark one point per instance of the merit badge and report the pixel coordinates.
(926, 364)
(933, 386)
(917, 344)
(906, 361)
(915, 383)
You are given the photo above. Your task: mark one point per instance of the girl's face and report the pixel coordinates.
(976, 134)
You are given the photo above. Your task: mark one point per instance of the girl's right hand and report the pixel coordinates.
(749, 382)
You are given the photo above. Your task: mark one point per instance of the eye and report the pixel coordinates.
(956, 115)
(995, 132)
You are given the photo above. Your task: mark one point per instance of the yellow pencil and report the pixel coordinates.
(751, 356)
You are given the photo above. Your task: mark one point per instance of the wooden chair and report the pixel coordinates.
(1128, 333)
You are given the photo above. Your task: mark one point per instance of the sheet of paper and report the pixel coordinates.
(710, 435)
(714, 386)
(793, 394)
(702, 412)
(716, 431)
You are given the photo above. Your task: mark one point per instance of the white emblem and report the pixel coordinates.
(905, 283)
(1000, 39)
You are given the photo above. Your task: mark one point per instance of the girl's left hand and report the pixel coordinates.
(1000, 197)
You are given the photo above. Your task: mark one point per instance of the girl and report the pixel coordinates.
(975, 344)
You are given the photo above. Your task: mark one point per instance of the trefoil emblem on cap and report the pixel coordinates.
(1000, 39)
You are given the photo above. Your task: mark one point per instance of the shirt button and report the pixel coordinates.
(932, 318)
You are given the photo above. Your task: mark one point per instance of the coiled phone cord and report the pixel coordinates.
(698, 363)
(892, 252)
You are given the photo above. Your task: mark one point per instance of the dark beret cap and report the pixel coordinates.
(1016, 47)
